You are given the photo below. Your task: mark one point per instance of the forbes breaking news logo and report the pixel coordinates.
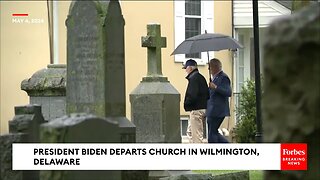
(294, 157)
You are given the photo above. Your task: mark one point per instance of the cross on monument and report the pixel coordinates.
(154, 42)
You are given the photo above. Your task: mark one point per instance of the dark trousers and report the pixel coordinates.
(213, 135)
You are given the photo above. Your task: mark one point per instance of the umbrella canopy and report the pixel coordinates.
(207, 42)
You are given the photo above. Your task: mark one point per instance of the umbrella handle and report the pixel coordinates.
(208, 64)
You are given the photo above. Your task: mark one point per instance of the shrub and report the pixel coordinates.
(245, 129)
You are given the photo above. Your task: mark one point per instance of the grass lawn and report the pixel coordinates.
(254, 175)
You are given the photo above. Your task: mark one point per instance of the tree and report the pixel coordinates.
(298, 4)
(245, 129)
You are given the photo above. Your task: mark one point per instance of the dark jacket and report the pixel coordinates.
(197, 92)
(218, 104)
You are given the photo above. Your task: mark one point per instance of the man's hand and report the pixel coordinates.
(212, 85)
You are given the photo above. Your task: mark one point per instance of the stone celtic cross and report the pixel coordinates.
(154, 42)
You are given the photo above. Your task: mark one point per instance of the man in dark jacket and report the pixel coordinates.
(195, 101)
(218, 104)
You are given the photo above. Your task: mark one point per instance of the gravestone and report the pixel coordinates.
(80, 128)
(23, 128)
(291, 87)
(27, 120)
(47, 87)
(96, 66)
(240, 175)
(85, 58)
(6, 172)
(155, 103)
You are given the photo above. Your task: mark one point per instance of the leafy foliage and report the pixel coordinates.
(245, 129)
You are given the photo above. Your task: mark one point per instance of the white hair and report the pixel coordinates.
(193, 67)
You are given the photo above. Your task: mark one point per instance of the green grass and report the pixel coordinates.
(256, 175)
(253, 175)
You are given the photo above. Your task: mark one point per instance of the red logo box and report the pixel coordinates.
(294, 157)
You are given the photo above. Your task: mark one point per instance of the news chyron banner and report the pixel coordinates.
(72, 156)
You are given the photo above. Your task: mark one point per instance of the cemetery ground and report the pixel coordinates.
(253, 175)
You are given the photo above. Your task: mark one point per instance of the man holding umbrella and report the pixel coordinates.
(218, 104)
(195, 101)
(219, 87)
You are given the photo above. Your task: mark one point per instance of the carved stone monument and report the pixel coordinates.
(47, 87)
(291, 87)
(96, 65)
(27, 120)
(86, 87)
(24, 128)
(155, 103)
(80, 128)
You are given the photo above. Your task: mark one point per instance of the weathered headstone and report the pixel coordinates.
(80, 128)
(96, 66)
(23, 128)
(154, 42)
(85, 58)
(241, 175)
(47, 87)
(27, 120)
(291, 87)
(6, 157)
(155, 103)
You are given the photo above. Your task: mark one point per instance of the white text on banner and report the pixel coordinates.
(73, 156)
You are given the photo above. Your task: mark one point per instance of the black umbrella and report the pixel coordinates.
(207, 42)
